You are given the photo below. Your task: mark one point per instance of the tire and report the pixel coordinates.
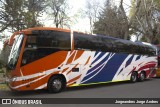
(134, 77)
(56, 84)
(142, 77)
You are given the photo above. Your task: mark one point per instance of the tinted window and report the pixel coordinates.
(109, 44)
(44, 43)
(50, 39)
(92, 42)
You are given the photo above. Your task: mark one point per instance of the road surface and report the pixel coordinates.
(147, 89)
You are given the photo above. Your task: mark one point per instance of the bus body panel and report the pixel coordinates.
(93, 67)
(80, 62)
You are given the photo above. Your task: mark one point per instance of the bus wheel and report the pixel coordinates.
(134, 77)
(56, 84)
(141, 76)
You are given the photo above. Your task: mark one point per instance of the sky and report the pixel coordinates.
(82, 22)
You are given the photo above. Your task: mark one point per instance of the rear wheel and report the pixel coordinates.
(134, 77)
(56, 84)
(142, 76)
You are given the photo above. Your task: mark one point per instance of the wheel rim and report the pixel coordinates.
(142, 76)
(134, 78)
(57, 84)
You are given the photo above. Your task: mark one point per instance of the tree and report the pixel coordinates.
(143, 20)
(19, 14)
(146, 19)
(113, 21)
(93, 8)
(10, 14)
(34, 9)
(58, 11)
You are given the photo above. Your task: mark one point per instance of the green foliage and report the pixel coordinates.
(132, 9)
(143, 39)
(144, 15)
(1, 66)
(20, 14)
(112, 22)
(157, 2)
(33, 10)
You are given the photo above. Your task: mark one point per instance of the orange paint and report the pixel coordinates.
(53, 61)
(65, 69)
(71, 69)
(87, 60)
(42, 65)
(79, 53)
(71, 58)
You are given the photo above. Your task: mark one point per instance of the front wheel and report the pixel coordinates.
(56, 84)
(134, 77)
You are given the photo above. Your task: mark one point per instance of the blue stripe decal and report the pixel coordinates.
(138, 57)
(129, 61)
(96, 53)
(109, 70)
(102, 53)
(93, 68)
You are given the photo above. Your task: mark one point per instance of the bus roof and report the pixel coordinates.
(30, 31)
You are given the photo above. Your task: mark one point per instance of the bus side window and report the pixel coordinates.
(28, 56)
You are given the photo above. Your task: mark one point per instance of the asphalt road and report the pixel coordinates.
(150, 88)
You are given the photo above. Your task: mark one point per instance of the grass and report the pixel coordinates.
(3, 86)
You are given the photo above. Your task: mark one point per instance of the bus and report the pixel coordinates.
(53, 59)
(158, 52)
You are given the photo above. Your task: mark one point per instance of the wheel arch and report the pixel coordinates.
(59, 75)
(143, 72)
(56, 87)
(135, 72)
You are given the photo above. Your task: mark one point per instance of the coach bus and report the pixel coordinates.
(52, 58)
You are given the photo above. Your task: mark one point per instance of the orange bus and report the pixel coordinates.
(52, 58)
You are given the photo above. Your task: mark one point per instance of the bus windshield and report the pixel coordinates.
(15, 51)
